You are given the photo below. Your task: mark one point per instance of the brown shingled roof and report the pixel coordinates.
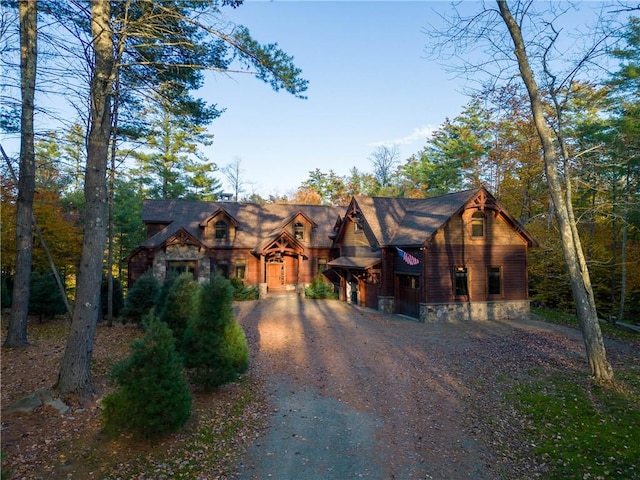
(410, 221)
(256, 223)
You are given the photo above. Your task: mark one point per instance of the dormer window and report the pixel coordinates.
(221, 229)
(357, 224)
(477, 225)
(298, 231)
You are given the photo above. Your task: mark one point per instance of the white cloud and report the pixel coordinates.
(418, 133)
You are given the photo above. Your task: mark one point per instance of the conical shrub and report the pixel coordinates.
(141, 298)
(179, 305)
(153, 397)
(215, 346)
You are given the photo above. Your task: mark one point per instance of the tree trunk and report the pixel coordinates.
(17, 328)
(571, 247)
(75, 370)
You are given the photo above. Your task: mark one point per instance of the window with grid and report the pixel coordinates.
(477, 225)
(221, 229)
(461, 277)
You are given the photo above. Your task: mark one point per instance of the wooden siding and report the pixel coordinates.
(387, 273)
(138, 265)
(153, 228)
(442, 259)
(363, 238)
(497, 231)
(370, 294)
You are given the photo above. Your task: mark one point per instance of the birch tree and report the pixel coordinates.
(561, 196)
(509, 56)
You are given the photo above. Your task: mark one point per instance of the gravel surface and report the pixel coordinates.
(333, 392)
(359, 394)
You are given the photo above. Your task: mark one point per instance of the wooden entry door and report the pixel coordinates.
(409, 295)
(275, 276)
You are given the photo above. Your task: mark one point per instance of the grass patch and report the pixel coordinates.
(582, 430)
(609, 330)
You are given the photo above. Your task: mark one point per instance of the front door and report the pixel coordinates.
(275, 276)
(409, 295)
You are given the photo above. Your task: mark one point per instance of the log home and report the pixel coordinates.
(278, 247)
(458, 256)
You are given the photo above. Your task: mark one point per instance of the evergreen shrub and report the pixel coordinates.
(164, 288)
(179, 305)
(45, 298)
(243, 292)
(153, 397)
(215, 346)
(141, 298)
(319, 288)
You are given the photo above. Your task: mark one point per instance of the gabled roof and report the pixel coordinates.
(412, 221)
(409, 221)
(215, 214)
(284, 240)
(255, 223)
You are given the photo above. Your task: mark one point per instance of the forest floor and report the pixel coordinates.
(333, 392)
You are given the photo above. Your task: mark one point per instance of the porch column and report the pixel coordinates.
(262, 276)
(299, 286)
(262, 279)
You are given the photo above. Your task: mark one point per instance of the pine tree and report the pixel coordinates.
(141, 298)
(153, 397)
(179, 305)
(216, 348)
(45, 299)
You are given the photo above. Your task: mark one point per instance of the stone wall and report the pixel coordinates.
(474, 311)
(386, 304)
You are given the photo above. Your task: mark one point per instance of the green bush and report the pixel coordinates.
(153, 397)
(45, 298)
(243, 292)
(215, 345)
(164, 288)
(141, 298)
(320, 288)
(179, 305)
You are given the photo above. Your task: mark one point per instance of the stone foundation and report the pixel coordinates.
(478, 311)
(386, 304)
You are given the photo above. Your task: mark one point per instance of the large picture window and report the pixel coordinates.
(182, 266)
(461, 279)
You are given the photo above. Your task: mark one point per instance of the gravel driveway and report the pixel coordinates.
(359, 394)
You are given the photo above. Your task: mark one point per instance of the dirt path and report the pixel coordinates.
(359, 394)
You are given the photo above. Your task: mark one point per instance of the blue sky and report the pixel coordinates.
(369, 84)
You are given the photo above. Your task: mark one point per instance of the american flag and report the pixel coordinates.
(407, 257)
